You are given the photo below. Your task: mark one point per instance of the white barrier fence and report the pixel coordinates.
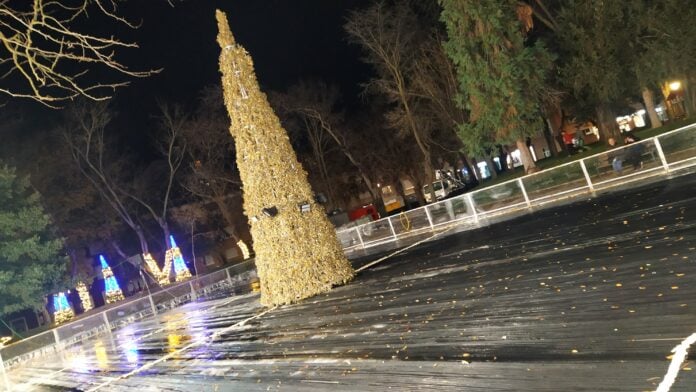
(650, 158)
(655, 157)
(157, 301)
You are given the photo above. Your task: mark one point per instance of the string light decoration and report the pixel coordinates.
(62, 311)
(85, 298)
(297, 254)
(112, 291)
(154, 268)
(244, 248)
(181, 271)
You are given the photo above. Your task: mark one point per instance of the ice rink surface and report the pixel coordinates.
(590, 296)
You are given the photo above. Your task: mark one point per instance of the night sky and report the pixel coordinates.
(288, 40)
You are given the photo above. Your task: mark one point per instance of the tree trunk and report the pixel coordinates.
(73, 263)
(650, 108)
(429, 178)
(608, 128)
(689, 88)
(370, 188)
(222, 206)
(165, 229)
(550, 140)
(418, 184)
(526, 156)
(143, 240)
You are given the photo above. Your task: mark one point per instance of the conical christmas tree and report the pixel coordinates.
(297, 252)
(62, 311)
(181, 271)
(112, 291)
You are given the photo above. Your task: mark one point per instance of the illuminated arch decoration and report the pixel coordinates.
(112, 291)
(62, 312)
(181, 271)
(85, 298)
(161, 277)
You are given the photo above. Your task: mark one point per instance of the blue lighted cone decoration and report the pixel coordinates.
(112, 291)
(181, 271)
(62, 311)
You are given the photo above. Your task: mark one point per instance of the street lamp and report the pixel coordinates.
(675, 86)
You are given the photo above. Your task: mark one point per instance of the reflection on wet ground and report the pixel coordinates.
(590, 296)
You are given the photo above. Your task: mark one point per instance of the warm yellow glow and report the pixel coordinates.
(102, 356)
(164, 275)
(674, 86)
(244, 248)
(84, 296)
(114, 296)
(184, 273)
(64, 315)
(297, 254)
(154, 268)
(4, 339)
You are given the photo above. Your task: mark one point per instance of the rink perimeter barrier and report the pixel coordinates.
(660, 157)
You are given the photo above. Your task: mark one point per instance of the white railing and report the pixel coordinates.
(652, 158)
(156, 301)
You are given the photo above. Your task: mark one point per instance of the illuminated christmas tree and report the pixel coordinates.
(181, 271)
(62, 311)
(85, 298)
(297, 252)
(112, 291)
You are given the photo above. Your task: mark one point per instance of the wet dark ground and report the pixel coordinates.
(591, 296)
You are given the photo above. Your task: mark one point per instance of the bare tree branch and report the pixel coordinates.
(47, 59)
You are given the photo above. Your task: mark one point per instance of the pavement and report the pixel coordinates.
(589, 296)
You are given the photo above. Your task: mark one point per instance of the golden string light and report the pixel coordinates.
(244, 248)
(297, 252)
(85, 298)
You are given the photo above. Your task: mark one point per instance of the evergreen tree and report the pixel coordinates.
(297, 252)
(597, 43)
(502, 77)
(30, 262)
(668, 51)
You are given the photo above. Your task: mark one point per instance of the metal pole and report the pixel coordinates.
(5, 379)
(524, 193)
(149, 293)
(587, 175)
(392, 228)
(193, 291)
(55, 335)
(430, 219)
(360, 238)
(472, 206)
(106, 321)
(229, 278)
(152, 305)
(661, 153)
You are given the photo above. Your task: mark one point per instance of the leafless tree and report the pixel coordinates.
(86, 140)
(173, 122)
(314, 102)
(45, 58)
(390, 37)
(211, 175)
